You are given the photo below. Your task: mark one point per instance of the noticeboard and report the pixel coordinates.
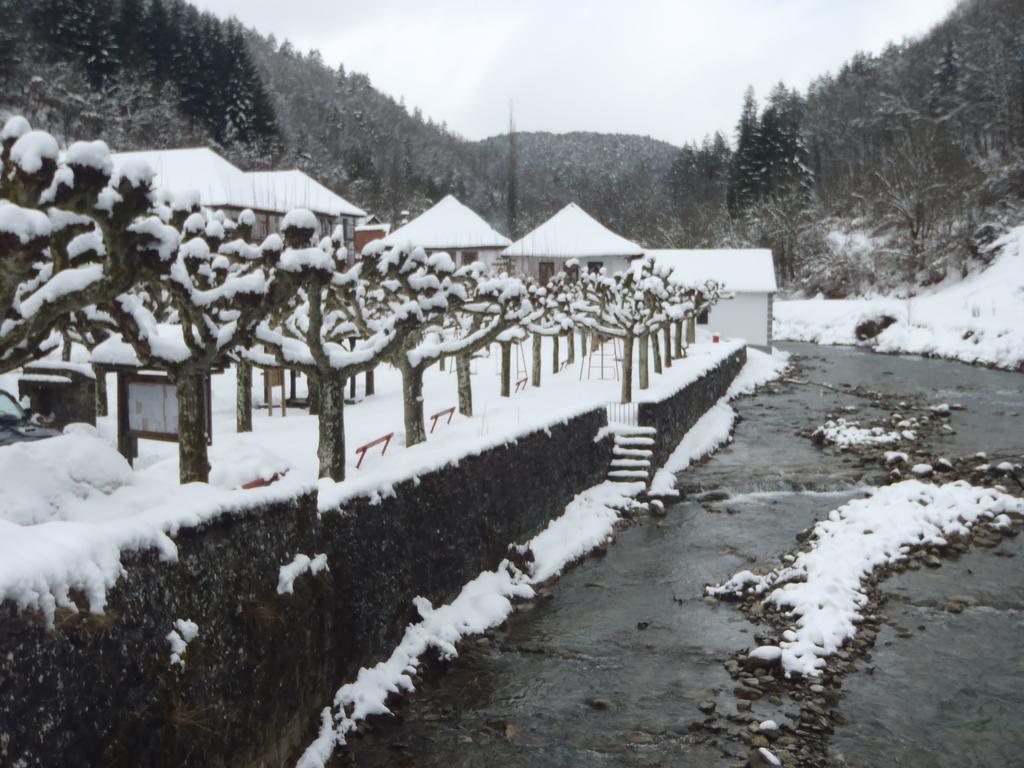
(152, 408)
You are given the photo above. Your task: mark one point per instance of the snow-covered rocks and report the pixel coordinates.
(849, 434)
(820, 591)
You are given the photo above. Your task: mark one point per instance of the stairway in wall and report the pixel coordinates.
(631, 454)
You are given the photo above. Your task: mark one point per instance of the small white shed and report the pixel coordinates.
(747, 273)
(452, 227)
(572, 233)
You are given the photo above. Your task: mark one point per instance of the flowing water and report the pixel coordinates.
(607, 666)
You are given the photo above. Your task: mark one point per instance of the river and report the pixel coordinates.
(608, 665)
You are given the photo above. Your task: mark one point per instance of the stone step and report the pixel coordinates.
(639, 453)
(629, 440)
(627, 474)
(630, 463)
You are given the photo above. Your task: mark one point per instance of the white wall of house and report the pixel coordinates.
(530, 265)
(745, 316)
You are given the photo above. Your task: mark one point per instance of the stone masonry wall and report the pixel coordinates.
(98, 690)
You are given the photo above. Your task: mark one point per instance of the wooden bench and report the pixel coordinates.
(362, 449)
(449, 412)
(521, 384)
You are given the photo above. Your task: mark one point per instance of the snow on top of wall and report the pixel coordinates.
(448, 224)
(742, 270)
(221, 183)
(573, 233)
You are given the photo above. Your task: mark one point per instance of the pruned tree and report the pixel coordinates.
(69, 236)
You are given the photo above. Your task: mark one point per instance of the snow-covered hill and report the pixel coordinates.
(977, 320)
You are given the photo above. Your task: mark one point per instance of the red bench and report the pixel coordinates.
(449, 412)
(521, 384)
(362, 449)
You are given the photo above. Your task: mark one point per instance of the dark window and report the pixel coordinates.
(546, 271)
(593, 267)
(702, 318)
(468, 257)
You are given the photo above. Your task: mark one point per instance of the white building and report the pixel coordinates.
(748, 274)
(269, 194)
(452, 227)
(571, 233)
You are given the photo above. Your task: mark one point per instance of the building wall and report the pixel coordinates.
(745, 316)
(530, 265)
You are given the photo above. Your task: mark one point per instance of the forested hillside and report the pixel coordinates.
(895, 171)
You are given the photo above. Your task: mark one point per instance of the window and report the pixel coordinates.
(546, 270)
(702, 318)
(468, 257)
(593, 267)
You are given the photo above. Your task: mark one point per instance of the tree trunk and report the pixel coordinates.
(330, 449)
(554, 354)
(243, 397)
(412, 395)
(668, 345)
(627, 369)
(535, 348)
(440, 363)
(691, 330)
(313, 393)
(506, 369)
(465, 385)
(370, 382)
(570, 343)
(65, 347)
(679, 338)
(193, 463)
(656, 351)
(645, 346)
(101, 391)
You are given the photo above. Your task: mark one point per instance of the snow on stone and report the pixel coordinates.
(251, 462)
(769, 756)
(761, 368)
(184, 632)
(299, 565)
(33, 149)
(447, 224)
(979, 319)
(573, 233)
(821, 589)
(847, 434)
(484, 602)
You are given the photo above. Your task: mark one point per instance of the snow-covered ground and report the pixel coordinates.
(821, 587)
(976, 320)
(71, 504)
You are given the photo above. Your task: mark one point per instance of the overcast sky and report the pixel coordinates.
(673, 69)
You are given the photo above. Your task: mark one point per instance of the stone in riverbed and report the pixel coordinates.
(706, 706)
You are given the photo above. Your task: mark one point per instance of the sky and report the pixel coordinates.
(672, 69)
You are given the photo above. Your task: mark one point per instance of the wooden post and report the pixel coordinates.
(127, 446)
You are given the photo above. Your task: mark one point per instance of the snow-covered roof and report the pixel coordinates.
(573, 233)
(220, 183)
(744, 270)
(448, 224)
(284, 190)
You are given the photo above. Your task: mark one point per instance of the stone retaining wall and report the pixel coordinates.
(674, 416)
(98, 690)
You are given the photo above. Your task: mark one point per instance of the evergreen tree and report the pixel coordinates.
(748, 167)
